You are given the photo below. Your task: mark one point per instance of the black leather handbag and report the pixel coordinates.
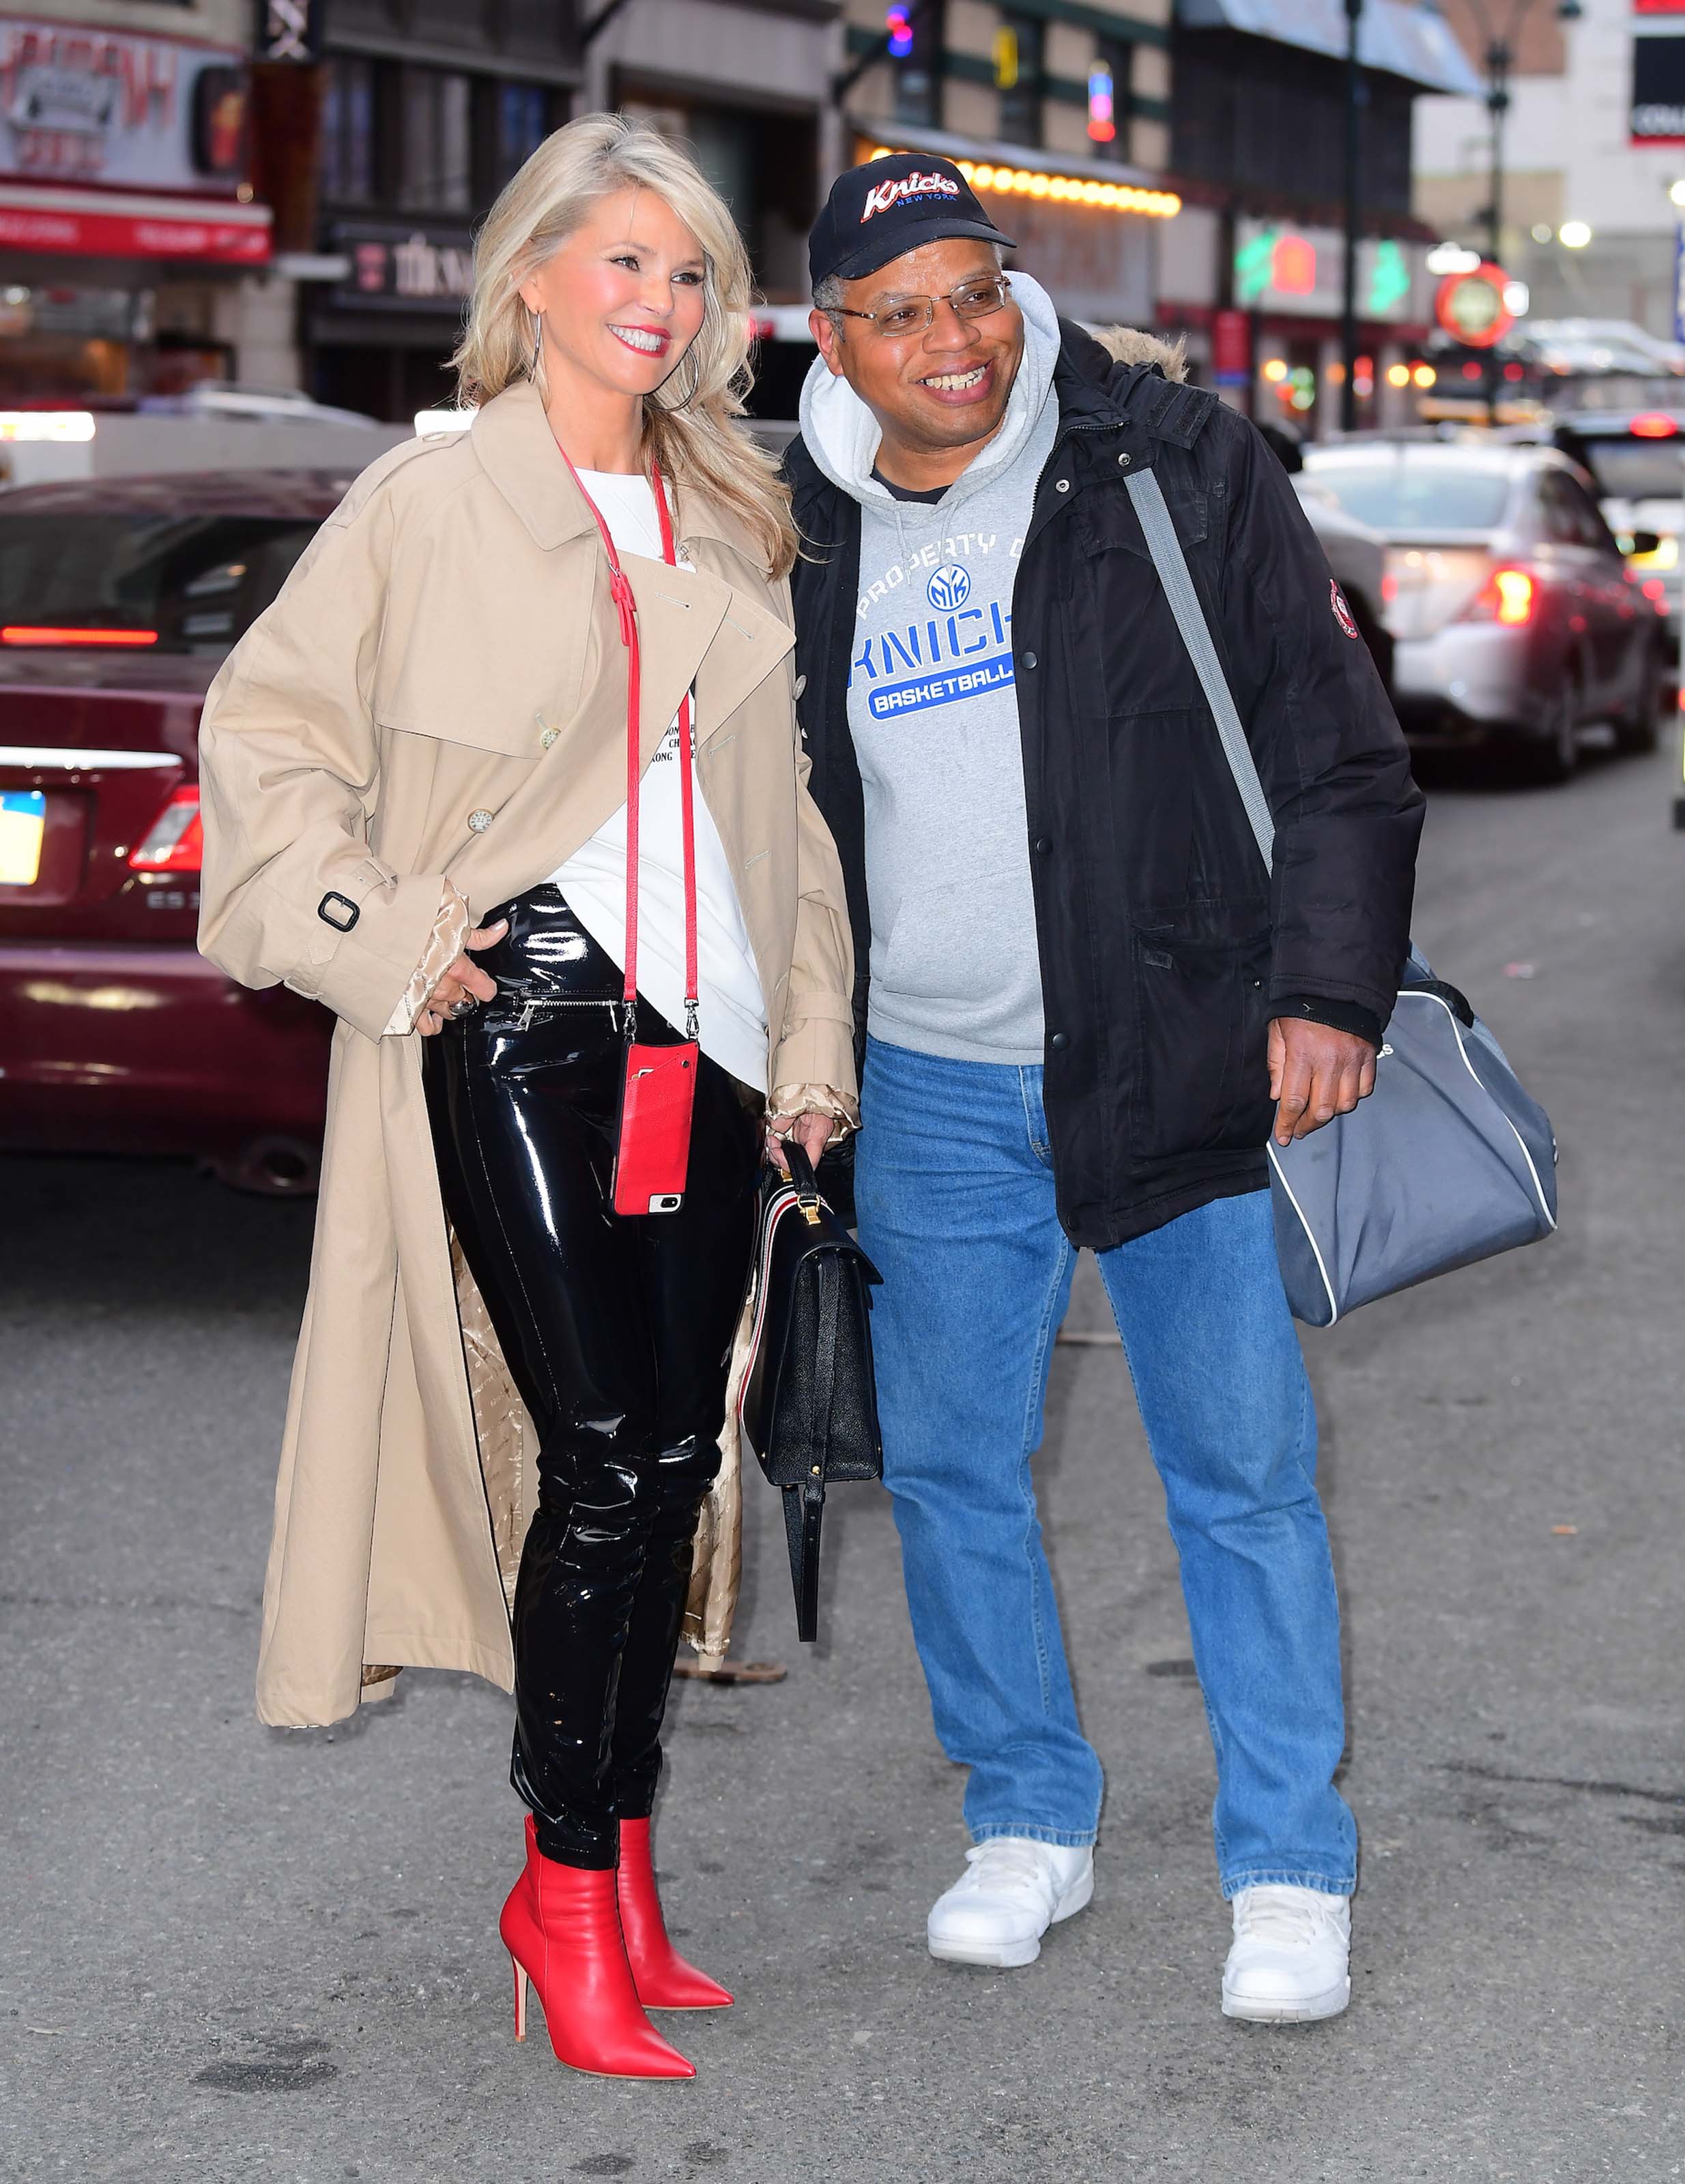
(808, 1406)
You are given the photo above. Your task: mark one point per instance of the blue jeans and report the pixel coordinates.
(954, 1189)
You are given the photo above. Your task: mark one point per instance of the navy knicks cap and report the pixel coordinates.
(888, 206)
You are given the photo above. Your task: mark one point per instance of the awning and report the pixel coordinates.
(121, 224)
(1397, 35)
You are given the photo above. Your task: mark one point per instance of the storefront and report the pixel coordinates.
(1275, 349)
(381, 338)
(127, 229)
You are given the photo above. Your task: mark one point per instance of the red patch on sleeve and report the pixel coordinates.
(1342, 613)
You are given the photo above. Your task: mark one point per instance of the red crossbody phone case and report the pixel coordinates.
(658, 1088)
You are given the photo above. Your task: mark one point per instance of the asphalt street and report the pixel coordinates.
(231, 1953)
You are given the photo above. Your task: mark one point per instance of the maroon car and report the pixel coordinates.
(119, 601)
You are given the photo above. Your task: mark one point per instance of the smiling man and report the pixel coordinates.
(1084, 1007)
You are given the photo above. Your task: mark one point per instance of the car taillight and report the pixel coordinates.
(31, 633)
(175, 841)
(1508, 598)
(1654, 589)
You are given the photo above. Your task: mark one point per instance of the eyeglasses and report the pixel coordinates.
(916, 314)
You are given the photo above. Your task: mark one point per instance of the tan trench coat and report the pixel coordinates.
(446, 648)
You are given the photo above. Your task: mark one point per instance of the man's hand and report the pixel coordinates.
(1315, 1073)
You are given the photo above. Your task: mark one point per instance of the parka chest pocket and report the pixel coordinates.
(1120, 607)
(1106, 521)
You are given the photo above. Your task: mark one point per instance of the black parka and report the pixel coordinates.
(1164, 947)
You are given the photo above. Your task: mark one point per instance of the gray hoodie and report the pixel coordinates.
(934, 718)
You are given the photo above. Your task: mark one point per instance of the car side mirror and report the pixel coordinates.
(1643, 542)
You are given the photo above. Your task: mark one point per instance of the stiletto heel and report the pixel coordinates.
(664, 1981)
(562, 1928)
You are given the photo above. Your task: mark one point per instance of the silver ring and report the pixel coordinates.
(464, 1007)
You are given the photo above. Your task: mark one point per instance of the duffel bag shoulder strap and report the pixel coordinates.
(1171, 564)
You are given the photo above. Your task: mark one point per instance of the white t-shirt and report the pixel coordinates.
(732, 1011)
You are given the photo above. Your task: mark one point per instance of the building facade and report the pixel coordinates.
(750, 85)
(1059, 113)
(132, 239)
(1593, 142)
(420, 111)
(1254, 270)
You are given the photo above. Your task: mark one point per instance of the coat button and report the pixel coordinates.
(479, 821)
(1059, 1042)
(548, 737)
(1044, 846)
(1062, 485)
(1029, 658)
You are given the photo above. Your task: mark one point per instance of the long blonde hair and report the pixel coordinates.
(690, 423)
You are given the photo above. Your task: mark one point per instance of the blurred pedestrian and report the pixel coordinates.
(1085, 1007)
(416, 811)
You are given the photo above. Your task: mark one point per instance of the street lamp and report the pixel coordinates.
(1354, 215)
(1498, 59)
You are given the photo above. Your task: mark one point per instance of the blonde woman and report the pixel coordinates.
(416, 793)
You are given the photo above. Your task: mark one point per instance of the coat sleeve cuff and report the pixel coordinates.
(785, 1101)
(451, 927)
(817, 1047)
(1338, 1016)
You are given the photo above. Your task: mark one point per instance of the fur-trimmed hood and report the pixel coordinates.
(1130, 345)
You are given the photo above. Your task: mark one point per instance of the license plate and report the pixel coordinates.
(23, 822)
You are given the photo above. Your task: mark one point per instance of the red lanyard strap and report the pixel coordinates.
(625, 607)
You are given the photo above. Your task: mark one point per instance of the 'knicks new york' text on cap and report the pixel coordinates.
(888, 206)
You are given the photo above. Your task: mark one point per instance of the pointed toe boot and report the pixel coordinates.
(561, 1926)
(664, 1981)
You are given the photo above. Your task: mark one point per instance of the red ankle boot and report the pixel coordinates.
(664, 1981)
(562, 1929)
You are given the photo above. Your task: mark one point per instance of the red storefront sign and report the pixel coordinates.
(90, 224)
(1230, 348)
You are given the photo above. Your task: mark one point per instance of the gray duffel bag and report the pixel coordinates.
(1448, 1160)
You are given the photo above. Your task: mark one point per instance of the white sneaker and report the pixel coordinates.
(1014, 1889)
(1289, 1959)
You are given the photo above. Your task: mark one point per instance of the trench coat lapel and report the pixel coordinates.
(694, 628)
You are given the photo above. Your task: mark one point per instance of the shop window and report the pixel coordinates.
(1109, 98)
(435, 173)
(1018, 77)
(523, 122)
(348, 133)
(915, 34)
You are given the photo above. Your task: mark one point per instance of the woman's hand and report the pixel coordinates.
(811, 1133)
(461, 981)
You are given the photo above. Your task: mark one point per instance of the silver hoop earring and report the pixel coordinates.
(695, 388)
(538, 340)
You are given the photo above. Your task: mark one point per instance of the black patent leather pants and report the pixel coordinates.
(617, 1332)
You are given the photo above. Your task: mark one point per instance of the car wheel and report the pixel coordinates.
(1555, 757)
(1635, 730)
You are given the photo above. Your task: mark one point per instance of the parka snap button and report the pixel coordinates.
(548, 737)
(1059, 1042)
(1029, 658)
(1063, 485)
(479, 821)
(1123, 462)
(1044, 846)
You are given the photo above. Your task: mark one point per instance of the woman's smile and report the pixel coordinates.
(648, 341)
